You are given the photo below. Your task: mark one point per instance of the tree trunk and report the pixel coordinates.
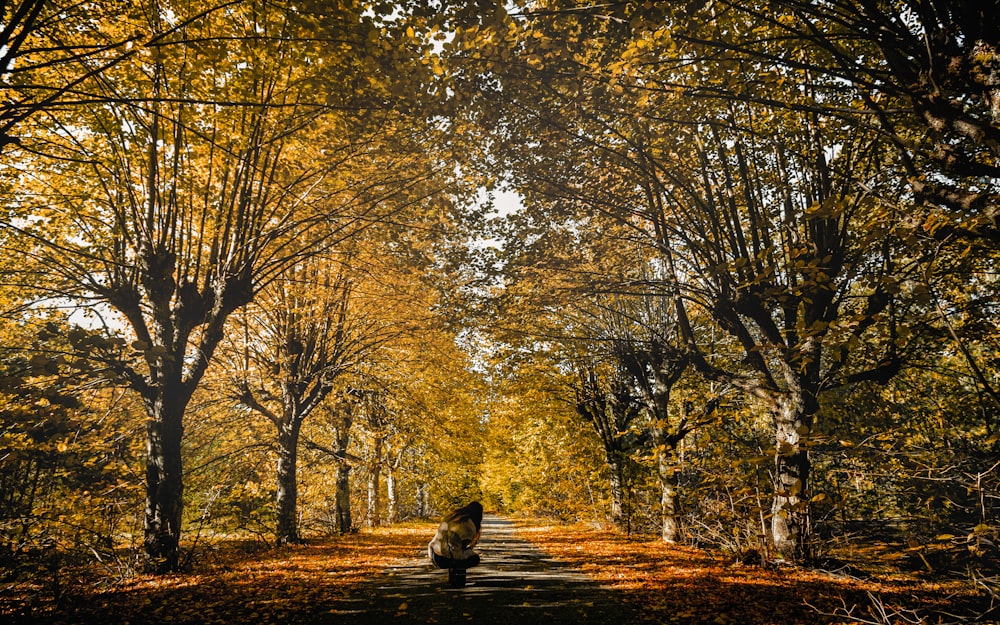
(790, 508)
(371, 514)
(392, 511)
(667, 467)
(423, 506)
(391, 483)
(374, 476)
(164, 481)
(287, 493)
(342, 499)
(617, 485)
(374, 500)
(669, 504)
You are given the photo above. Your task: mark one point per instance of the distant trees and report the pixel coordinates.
(302, 334)
(538, 458)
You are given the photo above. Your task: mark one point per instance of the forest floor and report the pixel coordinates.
(531, 573)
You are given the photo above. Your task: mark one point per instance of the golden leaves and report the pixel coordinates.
(675, 584)
(237, 585)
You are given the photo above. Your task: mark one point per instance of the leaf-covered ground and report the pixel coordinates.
(231, 583)
(654, 582)
(676, 584)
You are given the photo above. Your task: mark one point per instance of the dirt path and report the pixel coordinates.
(516, 583)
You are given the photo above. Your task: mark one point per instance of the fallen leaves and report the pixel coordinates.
(676, 584)
(293, 584)
(665, 584)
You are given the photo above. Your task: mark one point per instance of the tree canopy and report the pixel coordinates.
(257, 278)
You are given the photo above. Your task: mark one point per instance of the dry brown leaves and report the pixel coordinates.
(676, 584)
(239, 585)
(666, 584)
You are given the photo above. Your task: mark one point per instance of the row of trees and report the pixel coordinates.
(238, 201)
(796, 201)
(238, 251)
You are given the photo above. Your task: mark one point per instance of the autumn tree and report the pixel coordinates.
(342, 413)
(374, 412)
(636, 414)
(208, 170)
(646, 346)
(67, 451)
(330, 438)
(604, 400)
(304, 331)
(51, 49)
(920, 75)
(923, 75)
(775, 224)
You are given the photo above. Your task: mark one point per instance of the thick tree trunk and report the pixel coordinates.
(164, 482)
(287, 493)
(790, 527)
(342, 498)
(619, 515)
(667, 469)
(669, 503)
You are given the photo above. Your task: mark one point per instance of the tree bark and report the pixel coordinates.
(790, 525)
(392, 503)
(164, 482)
(374, 475)
(666, 455)
(423, 506)
(287, 493)
(342, 499)
(371, 512)
(619, 516)
(669, 503)
(391, 483)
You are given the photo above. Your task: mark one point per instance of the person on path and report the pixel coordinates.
(451, 547)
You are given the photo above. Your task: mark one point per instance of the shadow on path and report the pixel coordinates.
(516, 583)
